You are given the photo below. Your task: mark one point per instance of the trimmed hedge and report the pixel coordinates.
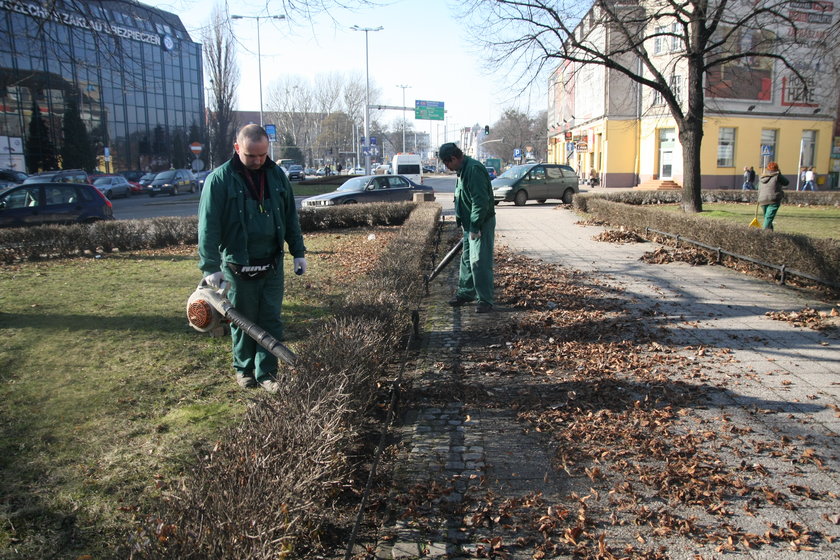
(647, 197)
(814, 256)
(42, 242)
(266, 489)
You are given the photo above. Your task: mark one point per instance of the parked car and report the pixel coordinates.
(382, 169)
(309, 171)
(59, 176)
(296, 173)
(173, 181)
(369, 188)
(358, 170)
(113, 185)
(535, 181)
(132, 176)
(491, 171)
(200, 177)
(429, 169)
(11, 177)
(53, 203)
(146, 180)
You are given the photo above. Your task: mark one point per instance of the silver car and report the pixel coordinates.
(113, 185)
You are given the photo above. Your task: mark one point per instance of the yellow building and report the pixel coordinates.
(600, 119)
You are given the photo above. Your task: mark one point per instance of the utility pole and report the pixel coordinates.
(404, 121)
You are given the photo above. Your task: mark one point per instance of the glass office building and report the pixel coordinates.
(133, 70)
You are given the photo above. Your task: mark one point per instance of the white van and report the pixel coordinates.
(408, 165)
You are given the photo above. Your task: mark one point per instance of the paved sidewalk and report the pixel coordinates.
(778, 380)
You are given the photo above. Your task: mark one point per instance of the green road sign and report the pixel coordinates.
(428, 110)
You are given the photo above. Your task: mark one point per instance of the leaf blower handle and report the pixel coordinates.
(215, 280)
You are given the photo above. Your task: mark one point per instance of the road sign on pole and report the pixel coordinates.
(428, 110)
(271, 130)
(196, 148)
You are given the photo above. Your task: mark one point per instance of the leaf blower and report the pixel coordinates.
(208, 309)
(445, 261)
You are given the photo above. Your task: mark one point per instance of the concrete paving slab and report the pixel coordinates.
(773, 397)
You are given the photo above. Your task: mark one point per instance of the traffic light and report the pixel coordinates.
(486, 130)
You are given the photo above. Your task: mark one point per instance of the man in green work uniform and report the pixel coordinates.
(247, 212)
(475, 213)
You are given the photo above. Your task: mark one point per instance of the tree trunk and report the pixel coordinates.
(691, 136)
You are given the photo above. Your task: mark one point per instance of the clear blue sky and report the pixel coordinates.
(422, 45)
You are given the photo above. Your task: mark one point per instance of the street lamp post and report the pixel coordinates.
(259, 54)
(366, 143)
(404, 121)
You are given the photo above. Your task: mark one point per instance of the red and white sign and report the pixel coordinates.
(196, 148)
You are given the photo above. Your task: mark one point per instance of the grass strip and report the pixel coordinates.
(106, 392)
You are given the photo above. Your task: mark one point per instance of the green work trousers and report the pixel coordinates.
(769, 213)
(475, 279)
(260, 301)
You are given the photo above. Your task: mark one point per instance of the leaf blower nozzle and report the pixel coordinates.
(208, 309)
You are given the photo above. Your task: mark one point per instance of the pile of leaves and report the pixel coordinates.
(694, 257)
(807, 317)
(619, 236)
(650, 461)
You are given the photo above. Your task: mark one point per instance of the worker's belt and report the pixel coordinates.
(256, 269)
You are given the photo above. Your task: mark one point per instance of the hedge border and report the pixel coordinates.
(268, 487)
(636, 211)
(78, 240)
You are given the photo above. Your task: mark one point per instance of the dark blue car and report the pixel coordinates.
(35, 204)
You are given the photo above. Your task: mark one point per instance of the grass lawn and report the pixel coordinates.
(106, 393)
(814, 221)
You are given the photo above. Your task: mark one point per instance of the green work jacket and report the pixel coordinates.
(473, 196)
(222, 231)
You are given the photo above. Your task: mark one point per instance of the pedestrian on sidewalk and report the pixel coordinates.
(476, 215)
(749, 179)
(770, 193)
(809, 179)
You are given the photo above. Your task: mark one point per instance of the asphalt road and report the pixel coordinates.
(144, 206)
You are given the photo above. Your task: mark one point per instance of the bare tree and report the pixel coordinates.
(328, 88)
(292, 104)
(702, 38)
(516, 130)
(220, 61)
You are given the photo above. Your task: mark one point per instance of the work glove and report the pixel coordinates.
(300, 266)
(475, 235)
(215, 279)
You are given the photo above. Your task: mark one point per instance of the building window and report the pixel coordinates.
(659, 41)
(676, 87)
(667, 39)
(726, 147)
(769, 138)
(809, 148)
(657, 98)
(676, 41)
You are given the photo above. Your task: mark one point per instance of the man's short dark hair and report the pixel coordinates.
(449, 151)
(252, 132)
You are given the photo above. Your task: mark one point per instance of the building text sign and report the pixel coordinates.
(82, 21)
